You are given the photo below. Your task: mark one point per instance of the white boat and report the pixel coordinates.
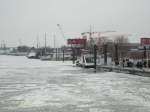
(33, 55)
(46, 57)
(87, 61)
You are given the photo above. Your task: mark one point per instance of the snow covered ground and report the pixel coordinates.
(30, 85)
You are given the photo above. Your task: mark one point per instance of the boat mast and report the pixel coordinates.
(55, 49)
(45, 42)
(37, 39)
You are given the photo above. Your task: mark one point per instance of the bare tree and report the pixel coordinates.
(100, 42)
(123, 45)
(120, 39)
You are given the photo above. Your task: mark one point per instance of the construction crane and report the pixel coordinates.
(61, 31)
(63, 35)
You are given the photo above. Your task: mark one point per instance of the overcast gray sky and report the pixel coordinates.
(24, 20)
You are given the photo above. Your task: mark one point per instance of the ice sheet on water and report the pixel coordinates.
(54, 95)
(34, 83)
(23, 62)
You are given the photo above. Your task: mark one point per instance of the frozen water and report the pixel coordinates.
(30, 85)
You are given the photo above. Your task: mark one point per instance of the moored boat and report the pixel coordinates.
(33, 55)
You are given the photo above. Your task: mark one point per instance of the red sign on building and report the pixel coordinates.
(145, 41)
(77, 41)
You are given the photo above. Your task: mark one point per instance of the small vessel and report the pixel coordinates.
(46, 57)
(87, 61)
(33, 55)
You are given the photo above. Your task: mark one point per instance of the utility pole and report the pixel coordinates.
(63, 55)
(90, 36)
(95, 57)
(55, 48)
(54, 42)
(144, 52)
(73, 54)
(147, 59)
(146, 56)
(116, 54)
(105, 54)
